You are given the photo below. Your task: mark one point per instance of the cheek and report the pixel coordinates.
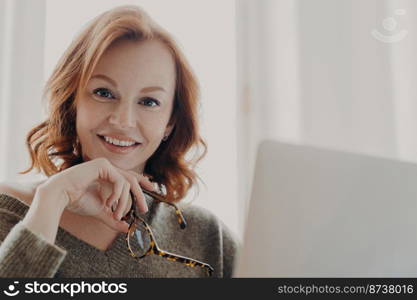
(153, 127)
(89, 115)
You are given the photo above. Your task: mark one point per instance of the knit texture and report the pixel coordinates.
(26, 254)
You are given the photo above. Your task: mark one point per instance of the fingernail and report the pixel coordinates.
(145, 209)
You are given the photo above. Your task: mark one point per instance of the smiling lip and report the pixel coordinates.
(118, 149)
(118, 137)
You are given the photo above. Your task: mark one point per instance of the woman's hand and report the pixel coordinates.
(92, 188)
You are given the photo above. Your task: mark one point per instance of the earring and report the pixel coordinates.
(165, 137)
(75, 146)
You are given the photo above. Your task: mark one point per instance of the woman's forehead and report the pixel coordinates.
(126, 53)
(150, 62)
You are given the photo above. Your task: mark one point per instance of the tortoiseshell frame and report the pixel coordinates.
(133, 219)
(157, 197)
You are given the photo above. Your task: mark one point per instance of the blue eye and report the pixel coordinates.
(105, 93)
(151, 100)
(102, 92)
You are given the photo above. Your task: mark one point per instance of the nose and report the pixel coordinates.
(122, 116)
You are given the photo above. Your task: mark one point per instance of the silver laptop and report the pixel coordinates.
(325, 213)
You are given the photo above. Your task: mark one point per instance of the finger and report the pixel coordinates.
(108, 173)
(140, 197)
(114, 206)
(148, 184)
(107, 218)
(117, 191)
(128, 206)
(144, 181)
(124, 199)
(133, 179)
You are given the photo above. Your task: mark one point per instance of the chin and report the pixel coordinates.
(124, 164)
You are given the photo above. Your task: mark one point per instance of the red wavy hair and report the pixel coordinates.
(53, 144)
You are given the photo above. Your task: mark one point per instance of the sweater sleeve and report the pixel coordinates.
(24, 253)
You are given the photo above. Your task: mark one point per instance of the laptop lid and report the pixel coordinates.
(324, 213)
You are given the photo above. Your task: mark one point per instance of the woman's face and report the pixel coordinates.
(129, 98)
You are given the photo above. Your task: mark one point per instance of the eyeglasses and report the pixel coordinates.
(141, 240)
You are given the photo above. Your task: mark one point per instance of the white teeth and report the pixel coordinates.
(117, 142)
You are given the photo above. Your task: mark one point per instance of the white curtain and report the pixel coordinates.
(332, 73)
(21, 76)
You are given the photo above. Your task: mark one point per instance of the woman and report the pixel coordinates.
(122, 112)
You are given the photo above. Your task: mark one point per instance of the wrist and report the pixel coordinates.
(53, 198)
(44, 213)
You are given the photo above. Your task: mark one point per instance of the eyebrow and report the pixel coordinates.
(144, 90)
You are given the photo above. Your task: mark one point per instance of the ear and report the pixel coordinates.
(169, 129)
